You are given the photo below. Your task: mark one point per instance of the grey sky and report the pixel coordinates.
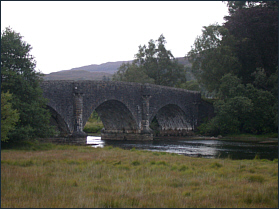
(68, 34)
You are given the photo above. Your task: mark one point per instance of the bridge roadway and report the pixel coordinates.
(126, 109)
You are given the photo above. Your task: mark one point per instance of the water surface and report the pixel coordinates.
(196, 148)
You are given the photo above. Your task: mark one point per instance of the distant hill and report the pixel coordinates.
(183, 61)
(109, 67)
(77, 75)
(95, 72)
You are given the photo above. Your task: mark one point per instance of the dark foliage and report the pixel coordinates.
(239, 61)
(18, 76)
(256, 32)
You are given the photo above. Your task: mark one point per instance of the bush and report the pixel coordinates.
(241, 109)
(9, 116)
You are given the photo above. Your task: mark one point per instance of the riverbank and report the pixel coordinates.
(267, 139)
(79, 176)
(252, 140)
(248, 139)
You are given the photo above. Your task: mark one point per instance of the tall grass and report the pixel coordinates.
(71, 176)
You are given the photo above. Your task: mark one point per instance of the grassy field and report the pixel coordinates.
(80, 176)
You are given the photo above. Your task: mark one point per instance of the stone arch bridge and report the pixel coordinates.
(126, 109)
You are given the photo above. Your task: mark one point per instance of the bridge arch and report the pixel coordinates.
(58, 122)
(116, 116)
(171, 120)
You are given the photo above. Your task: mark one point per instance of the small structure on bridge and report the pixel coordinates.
(126, 109)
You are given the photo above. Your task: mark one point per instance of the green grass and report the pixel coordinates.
(94, 124)
(93, 127)
(80, 176)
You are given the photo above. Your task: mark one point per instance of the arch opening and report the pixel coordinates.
(116, 117)
(171, 120)
(58, 122)
(94, 124)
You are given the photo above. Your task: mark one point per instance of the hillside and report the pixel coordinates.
(77, 75)
(94, 72)
(109, 67)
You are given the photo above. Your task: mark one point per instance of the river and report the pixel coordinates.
(206, 148)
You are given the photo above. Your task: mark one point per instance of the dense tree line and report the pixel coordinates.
(24, 116)
(235, 63)
(238, 62)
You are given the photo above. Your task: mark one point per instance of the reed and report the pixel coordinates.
(77, 176)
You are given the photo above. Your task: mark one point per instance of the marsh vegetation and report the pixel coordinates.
(79, 176)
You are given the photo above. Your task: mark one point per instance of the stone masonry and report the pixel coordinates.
(126, 109)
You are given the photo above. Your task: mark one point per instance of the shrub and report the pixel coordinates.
(183, 168)
(161, 163)
(135, 163)
(215, 165)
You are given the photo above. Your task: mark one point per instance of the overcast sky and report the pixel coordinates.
(69, 34)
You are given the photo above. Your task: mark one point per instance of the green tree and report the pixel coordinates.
(241, 109)
(261, 119)
(18, 76)
(234, 6)
(229, 117)
(239, 61)
(247, 41)
(159, 63)
(190, 85)
(152, 64)
(130, 72)
(212, 56)
(9, 116)
(255, 30)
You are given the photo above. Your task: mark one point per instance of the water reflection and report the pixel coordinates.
(196, 148)
(95, 141)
